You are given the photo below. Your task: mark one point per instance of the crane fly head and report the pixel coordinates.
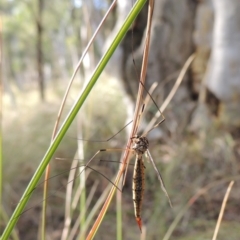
(140, 144)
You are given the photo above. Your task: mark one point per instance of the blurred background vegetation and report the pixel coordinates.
(197, 148)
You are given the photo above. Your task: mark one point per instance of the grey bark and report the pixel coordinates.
(211, 29)
(171, 42)
(171, 45)
(223, 75)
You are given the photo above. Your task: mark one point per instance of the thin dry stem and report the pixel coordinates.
(192, 200)
(67, 221)
(98, 204)
(172, 93)
(136, 118)
(147, 98)
(178, 82)
(79, 191)
(144, 233)
(222, 210)
(47, 174)
(78, 66)
(76, 225)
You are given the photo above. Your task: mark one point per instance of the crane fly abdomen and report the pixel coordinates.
(138, 188)
(139, 147)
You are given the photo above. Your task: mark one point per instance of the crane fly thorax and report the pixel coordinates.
(140, 145)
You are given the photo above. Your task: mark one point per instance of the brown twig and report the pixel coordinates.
(192, 200)
(222, 210)
(67, 221)
(172, 93)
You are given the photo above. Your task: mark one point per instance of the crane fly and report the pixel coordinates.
(140, 147)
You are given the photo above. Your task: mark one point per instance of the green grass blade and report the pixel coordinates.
(119, 215)
(69, 119)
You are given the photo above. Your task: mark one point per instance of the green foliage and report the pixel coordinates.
(62, 23)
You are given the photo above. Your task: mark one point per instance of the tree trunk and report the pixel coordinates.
(171, 42)
(39, 50)
(223, 75)
(210, 28)
(171, 45)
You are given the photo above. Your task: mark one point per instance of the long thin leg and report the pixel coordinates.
(85, 166)
(159, 178)
(107, 140)
(102, 150)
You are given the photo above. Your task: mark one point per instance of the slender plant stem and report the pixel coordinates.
(222, 210)
(119, 215)
(1, 92)
(47, 174)
(172, 93)
(69, 119)
(192, 200)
